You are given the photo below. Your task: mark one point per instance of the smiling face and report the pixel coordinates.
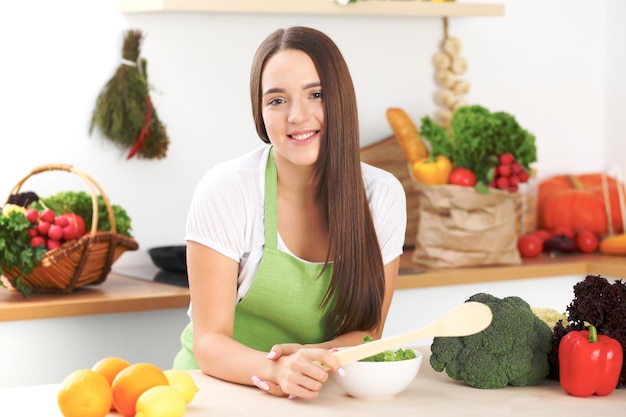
(292, 107)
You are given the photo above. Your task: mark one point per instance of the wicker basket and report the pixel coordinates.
(84, 261)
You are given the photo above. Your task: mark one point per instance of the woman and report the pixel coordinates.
(292, 249)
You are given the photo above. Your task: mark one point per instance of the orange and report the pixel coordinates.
(133, 381)
(110, 367)
(84, 393)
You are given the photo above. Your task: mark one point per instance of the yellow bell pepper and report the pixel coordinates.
(432, 170)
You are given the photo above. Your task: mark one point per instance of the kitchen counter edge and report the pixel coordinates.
(123, 294)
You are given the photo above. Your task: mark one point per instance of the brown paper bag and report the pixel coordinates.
(461, 227)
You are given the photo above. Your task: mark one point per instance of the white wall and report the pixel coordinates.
(552, 64)
(615, 85)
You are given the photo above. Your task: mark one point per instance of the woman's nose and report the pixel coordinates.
(298, 111)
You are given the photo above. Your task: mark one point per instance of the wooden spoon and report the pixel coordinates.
(463, 320)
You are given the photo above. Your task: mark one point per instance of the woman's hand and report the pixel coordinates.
(299, 371)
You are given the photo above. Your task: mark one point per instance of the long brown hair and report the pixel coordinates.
(358, 281)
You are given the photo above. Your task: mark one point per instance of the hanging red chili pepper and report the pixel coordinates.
(589, 363)
(147, 120)
(123, 101)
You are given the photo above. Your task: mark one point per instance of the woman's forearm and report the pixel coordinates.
(222, 357)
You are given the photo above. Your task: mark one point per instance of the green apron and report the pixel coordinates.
(283, 303)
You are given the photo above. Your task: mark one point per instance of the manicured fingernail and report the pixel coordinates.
(341, 372)
(271, 355)
(260, 384)
(333, 350)
(291, 396)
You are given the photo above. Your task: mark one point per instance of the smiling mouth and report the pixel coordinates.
(303, 136)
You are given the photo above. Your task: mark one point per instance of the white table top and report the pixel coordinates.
(430, 394)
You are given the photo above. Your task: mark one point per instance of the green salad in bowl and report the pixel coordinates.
(383, 375)
(389, 355)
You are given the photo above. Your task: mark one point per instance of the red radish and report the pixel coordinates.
(55, 232)
(53, 244)
(48, 216)
(61, 221)
(32, 215)
(37, 241)
(504, 170)
(502, 183)
(32, 232)
(523, 176)
(507, 158)
(43, 227)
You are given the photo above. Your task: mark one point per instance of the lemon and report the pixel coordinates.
(183, 382)
(161, 401)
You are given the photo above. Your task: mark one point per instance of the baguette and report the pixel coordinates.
(406, 134)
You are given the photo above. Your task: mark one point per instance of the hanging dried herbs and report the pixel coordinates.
(124, 112)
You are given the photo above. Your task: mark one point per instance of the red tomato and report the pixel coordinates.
(529, 245)
(586, 241)
(543, 235)
(462, 176)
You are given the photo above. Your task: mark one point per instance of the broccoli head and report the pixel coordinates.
(513, 350)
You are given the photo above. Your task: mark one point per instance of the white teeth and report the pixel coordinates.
(302, 137)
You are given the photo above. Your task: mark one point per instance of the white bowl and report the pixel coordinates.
(378, 380)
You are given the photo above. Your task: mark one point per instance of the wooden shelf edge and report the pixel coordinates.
(118, 294)
(411, 276)
(35, 312)
(325, 7)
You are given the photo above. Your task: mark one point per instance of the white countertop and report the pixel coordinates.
(430, 394)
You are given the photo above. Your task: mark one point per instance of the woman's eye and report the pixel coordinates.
(317, 95)
(276, 101)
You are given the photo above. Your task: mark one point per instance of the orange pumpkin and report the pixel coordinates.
(578, 203)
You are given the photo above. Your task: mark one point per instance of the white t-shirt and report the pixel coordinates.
(226, 212)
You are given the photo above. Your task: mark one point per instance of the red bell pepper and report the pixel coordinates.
(589, 363)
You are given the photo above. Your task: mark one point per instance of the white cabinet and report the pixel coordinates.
(44, 351)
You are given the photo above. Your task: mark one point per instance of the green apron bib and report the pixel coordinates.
(283, 303)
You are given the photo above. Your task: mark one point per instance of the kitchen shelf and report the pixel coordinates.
(324, 7)
(123, 294)
(545, 266)
(118, 294)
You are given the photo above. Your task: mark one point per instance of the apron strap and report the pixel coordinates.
(271, 201)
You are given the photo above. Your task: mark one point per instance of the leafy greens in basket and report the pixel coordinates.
(80, 202)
